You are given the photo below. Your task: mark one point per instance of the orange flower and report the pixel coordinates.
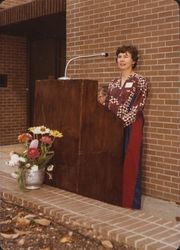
(25, 137)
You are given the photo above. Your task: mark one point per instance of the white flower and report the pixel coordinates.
(22, 159)
(34, 168)
(39, 130)
(49, 176)
(50, 167)
(28, 165)
(14, 160)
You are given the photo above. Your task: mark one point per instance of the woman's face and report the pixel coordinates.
(125, 61)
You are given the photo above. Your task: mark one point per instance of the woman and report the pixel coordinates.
(126, 98)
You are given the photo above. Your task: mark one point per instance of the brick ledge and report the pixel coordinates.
(96, 219)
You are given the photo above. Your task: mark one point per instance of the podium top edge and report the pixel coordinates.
(67, 80)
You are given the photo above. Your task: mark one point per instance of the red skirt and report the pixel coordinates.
(131, 197)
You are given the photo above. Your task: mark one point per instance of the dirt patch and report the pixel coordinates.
(21, 229)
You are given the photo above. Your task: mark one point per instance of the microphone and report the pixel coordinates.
(65, 77)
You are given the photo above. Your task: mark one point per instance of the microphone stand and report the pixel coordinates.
(65, 77)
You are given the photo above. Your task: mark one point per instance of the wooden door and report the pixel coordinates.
(47, 60)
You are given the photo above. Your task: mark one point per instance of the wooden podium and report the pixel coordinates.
(88, 159)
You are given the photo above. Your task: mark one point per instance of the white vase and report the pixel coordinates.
(34, 179)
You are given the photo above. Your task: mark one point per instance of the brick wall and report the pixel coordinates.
(153, 26)
(13, 110)
(13, 99)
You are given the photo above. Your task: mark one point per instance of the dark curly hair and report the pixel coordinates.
(132, 50)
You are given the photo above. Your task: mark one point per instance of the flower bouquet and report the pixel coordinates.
(38, 142)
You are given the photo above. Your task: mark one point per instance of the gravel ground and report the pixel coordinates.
(20, 229)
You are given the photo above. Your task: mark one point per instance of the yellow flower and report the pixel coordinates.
(56, 133)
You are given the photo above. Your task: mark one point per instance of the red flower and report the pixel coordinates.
(46, 139)
(33, 153)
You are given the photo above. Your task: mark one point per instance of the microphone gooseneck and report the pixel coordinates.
(65, 77)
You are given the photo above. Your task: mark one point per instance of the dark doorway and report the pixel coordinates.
(47, 60)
